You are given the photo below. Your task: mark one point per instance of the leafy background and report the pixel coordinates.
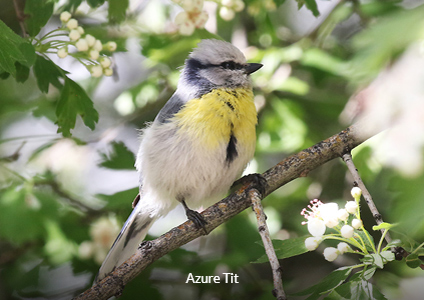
(67, 141)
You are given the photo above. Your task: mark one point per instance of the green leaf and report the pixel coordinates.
(330, 282)
(364, 237)
(379, 259)
(120, 158)
(38, 12)
(413, 261)
(73, 102)
(22, 72)
(95, 3)
(117, 10)
(310, 4)
(14, 49)
(46, 73)
(120, 200)
(387, 256)
(383, 225)
(286, 248)
(359, 290)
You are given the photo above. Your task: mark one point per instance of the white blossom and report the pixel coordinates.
(90, 40)
(105, 62)
(99, 47)
(351, 207)
(82, 45)
(72, 24)
(343, 247)
(356, 223)
(111, 46)
(86, 250)
(342, 214)
(65, 16)
(226, 13)
(74, 35)
(94, 54)
(62, 52)
(347, 231)
(311, 243)
(356, 192)
(96, 71)
(331, 253)
(319, 216)
(108, 71)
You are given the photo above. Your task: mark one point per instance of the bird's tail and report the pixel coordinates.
(132, 234)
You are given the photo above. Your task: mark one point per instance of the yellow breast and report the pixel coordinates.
(210, 120)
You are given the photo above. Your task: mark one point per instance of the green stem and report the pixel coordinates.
(14, 173)
(420, 246)
(363, 244)
(351, 241)
(381, 241)
(369, 238)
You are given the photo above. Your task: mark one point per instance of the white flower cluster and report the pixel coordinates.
(320, 216)
(88, 47)
(229, 8)
(102, 232)
(192, 17)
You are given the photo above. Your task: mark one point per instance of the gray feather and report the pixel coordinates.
(132, 234)
(171, 107)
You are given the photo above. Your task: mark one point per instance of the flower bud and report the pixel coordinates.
(356, 223)
(62, 52)
(82, 45)
(72, 24)
(226, 13)
(356, 192)
(65, 16)
(331, 222)
(108, 72)
(238, 5)
(351, 207)
(96, 71)
(311, 243)
(99, 47)
(90, 40)
(342, 214)
(331, 253)
(94, 54)
(105, 62)
(74, 35)
(343, 247)
(111, 46)
(347, 231)
(201, 20)
(86, 250)
(316, 227)
(80, 30)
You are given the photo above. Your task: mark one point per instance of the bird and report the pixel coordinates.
(197, 146)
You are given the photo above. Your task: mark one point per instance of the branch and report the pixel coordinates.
(347, 158)
(297, 165)
(278, 291)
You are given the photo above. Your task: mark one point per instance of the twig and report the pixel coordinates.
(20, 15)
(295, 166)
(347, 158)
(278, 290)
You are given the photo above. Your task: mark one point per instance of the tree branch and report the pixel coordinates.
(278, 291)
(297, 165)
(347, 158)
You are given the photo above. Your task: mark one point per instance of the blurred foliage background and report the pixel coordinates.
(326, 64)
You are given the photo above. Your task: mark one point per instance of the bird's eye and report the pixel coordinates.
(229, 65)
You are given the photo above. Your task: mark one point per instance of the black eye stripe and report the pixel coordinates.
(229, 65)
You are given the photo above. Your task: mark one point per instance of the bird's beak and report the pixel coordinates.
(252, 67)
